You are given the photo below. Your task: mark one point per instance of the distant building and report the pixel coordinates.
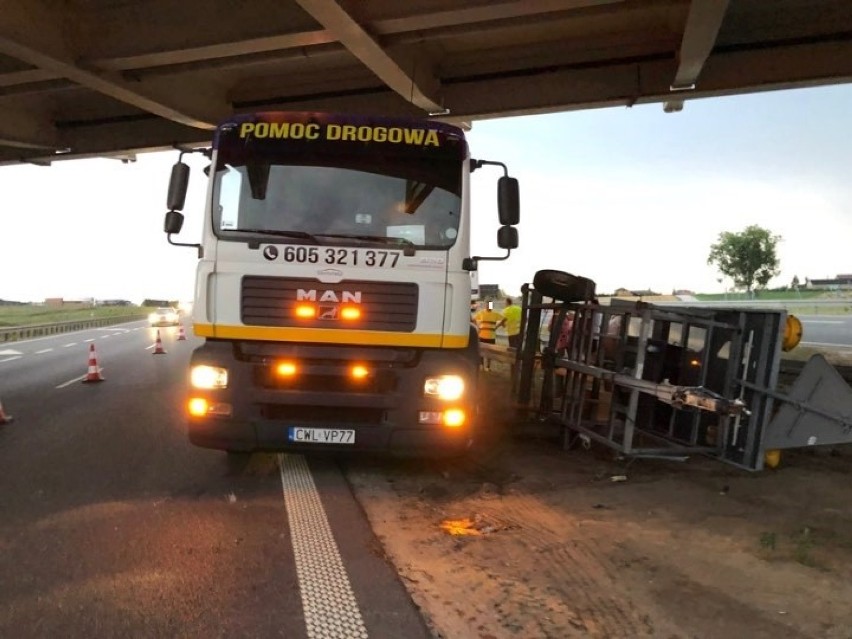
(643, 296)
(489, 291)
(842, 282)
(58, 302)
(623, 292)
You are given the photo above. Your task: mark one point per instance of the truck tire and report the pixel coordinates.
(563, 286)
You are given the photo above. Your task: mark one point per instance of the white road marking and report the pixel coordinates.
(91, 339)
(74, 381)
(838, 346)
(9, 351)
(328, 602)
(70, 345)
(10, 359)
(44, 350)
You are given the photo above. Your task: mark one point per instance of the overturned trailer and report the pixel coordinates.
(673, 381)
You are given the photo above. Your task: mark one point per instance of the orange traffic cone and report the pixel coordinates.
(181, 333)
(158, 346)
(94, 373)
(4, 418)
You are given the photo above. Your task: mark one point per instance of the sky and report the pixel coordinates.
(629, 197)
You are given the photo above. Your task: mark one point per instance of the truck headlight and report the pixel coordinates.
(208, 377)
(446, 387)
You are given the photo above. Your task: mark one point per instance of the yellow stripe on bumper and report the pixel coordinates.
(327, 336)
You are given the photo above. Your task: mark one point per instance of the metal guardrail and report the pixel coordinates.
(803, 305)
(15, 333)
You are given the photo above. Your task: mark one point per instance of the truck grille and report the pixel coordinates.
(385, 306)
(380, 382)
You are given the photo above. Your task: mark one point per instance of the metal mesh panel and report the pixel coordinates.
(331, 611)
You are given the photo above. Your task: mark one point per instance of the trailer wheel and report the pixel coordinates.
(563, 286)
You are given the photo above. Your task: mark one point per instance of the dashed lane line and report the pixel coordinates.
(328, 602)
(836, 346)
(75, 380)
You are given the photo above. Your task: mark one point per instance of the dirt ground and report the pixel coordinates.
(527, 540)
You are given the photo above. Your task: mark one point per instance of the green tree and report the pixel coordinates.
(748, 258)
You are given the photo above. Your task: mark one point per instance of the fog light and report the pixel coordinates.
(197, 407)
(220, 409)
(454, 417)
(430, 417)
(200, 407)
(286, 369)
(359, 372)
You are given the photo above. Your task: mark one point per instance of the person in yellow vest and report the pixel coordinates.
(486, 322)
(512, 321)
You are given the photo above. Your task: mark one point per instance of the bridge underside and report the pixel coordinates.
(82, 78)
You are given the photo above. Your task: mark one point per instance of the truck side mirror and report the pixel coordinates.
(178, 183)
(173, 222)
(508, 201)
(507, 237)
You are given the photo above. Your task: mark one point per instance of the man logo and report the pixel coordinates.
(270, 252)
(312, 295)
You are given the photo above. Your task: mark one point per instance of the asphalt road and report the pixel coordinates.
(827, 331)
(113, 525)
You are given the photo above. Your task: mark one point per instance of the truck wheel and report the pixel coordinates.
(472, 350)
(563, 286)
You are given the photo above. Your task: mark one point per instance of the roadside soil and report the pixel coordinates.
(525, 539)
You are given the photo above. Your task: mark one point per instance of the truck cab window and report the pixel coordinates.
(335, 200)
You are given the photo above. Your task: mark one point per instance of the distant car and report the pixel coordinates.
(166, 316)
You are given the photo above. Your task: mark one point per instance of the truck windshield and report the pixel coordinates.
(327, 201)
(335, 192)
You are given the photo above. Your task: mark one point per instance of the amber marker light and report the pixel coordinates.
(350, 313)
(454, 418)
(197, 407)
(306, 311)
(359, 372)
(286, 369)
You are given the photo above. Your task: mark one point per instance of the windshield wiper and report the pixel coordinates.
(302, 235)
(406, 244)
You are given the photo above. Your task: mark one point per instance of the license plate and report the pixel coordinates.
(321, 435)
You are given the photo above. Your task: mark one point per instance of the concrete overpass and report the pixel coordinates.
(81, 78)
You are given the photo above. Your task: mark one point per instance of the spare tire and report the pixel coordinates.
(563, 286)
